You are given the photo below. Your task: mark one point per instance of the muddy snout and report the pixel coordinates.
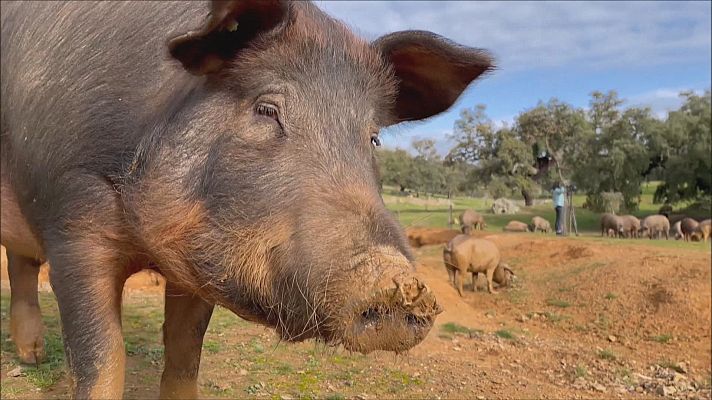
(396, 318)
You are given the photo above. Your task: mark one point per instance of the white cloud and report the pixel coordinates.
(526, 35)
(660, 101)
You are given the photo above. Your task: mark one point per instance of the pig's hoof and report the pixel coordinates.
(27, 331)
(32, 353)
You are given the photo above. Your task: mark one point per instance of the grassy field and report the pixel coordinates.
(410, 214)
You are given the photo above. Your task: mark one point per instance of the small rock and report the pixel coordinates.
(678, 377)
(666, 390)
(639, 389)
(580, 383)
(416, 374)
(612, 338)
(682, 367)
(16, 372)
(599, 387)
(286, 397)
(243, 372)
(641, 376)
(480, 397)
(361, 397)
(522, 318)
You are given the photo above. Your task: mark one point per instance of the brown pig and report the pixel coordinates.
(611, 222)
(471, 220)
(702, 232)
(516, 226)
(465, 253)
(631, 225)
(540, 224)
(654, 226)
(676, 230)
(221, 142)
(688, 226)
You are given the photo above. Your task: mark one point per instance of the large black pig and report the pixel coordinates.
(229, 149)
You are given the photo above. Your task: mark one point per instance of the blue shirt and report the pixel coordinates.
(559, 197)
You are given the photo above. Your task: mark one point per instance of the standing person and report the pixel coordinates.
(558, 197)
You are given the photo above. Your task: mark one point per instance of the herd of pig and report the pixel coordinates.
(655, 226)
(623, 226)
(465, 254)
(471, 220)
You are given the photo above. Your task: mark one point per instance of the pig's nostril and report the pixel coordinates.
(416, 321)
(371, 316)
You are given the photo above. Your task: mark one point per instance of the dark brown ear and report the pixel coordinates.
(432, 70)
(229, 28)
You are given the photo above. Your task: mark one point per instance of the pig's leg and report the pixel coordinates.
(490, 276)
(474, 281)
(87, 280)
(186, 320)
(458, 281)
(26, 326)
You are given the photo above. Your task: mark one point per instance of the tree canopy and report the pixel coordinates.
(606, 148)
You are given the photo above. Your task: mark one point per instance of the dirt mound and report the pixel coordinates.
(578, 302)
(587, 318)
(576, 252)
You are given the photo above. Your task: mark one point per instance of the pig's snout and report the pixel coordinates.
(395, 318)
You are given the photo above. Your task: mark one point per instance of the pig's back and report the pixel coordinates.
(76, 81)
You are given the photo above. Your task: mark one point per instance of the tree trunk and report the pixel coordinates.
(528, 200)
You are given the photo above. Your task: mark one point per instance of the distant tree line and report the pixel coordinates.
(606, 148)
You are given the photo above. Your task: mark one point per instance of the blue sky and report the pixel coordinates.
(647, 51)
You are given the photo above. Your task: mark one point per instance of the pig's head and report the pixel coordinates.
(503, 275)
(261, 192)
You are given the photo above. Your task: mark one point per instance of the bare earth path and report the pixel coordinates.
(586, 319)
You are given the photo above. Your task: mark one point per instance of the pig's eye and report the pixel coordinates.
(267, 110)
(375, 141)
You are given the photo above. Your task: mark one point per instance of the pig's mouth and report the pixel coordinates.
(394, 319)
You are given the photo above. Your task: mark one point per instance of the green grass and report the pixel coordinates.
(607, 354)
(558, 303)
(554, 317)
(452, 328)
(580, 371)
(437, 216)
(664, 338)
(611, 296)
(603, 322)
(211, 346)
(665, 363)
(52, 370)
(506, 334)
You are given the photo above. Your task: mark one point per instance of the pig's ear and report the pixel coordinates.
(229, 28)
(432, 71)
